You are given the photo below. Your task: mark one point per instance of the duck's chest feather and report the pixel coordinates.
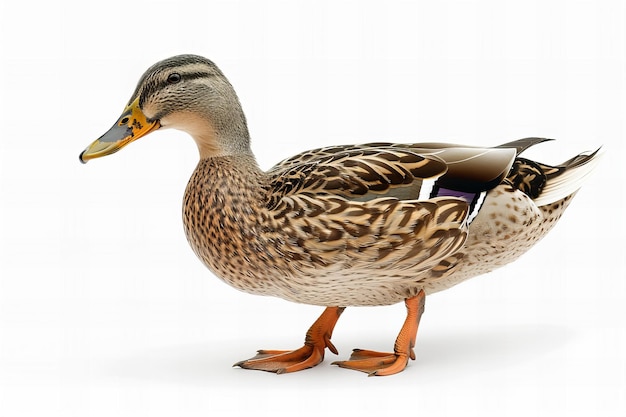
(223, 222)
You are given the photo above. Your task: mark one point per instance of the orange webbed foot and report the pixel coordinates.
(311, 354)
(284, 361)
(381, 363)
(375, 363)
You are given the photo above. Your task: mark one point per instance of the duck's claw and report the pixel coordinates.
(375, 363)
(284, 361)
(312, 353)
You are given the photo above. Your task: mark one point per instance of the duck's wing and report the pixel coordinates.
(467, 169)
(360, 207)
(520, 145)
(357, 174)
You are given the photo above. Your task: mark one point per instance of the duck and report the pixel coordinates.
(371, 224)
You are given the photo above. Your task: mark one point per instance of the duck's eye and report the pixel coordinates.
(174, 78)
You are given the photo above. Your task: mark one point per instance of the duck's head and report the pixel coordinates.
(185, 92)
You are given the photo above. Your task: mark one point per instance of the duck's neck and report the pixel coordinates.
(230, 142)
(218, 130)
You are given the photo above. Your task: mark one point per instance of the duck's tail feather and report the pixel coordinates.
(566, 178)
(547, 184)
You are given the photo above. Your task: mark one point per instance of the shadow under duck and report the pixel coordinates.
(356, 225)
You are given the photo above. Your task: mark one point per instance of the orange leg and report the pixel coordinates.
(380, 363)
(312, 353)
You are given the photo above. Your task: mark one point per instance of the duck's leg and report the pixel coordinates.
(379, 363)
(312, 353)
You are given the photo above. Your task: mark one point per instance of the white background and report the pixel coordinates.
(104, 310)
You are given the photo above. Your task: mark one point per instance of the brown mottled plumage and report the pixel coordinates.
(355, 225)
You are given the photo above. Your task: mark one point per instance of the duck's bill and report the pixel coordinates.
(131, 125)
